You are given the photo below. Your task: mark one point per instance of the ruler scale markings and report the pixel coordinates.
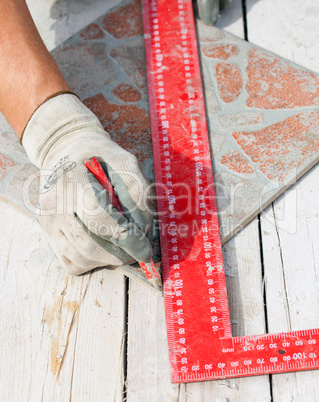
(198, 326)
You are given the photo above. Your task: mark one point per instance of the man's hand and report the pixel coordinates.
(83, 228)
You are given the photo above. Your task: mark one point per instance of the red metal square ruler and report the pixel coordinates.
(201, 346)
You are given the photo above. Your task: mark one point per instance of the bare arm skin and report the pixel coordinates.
(28, 72)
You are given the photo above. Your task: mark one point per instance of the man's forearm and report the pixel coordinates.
(28, 72)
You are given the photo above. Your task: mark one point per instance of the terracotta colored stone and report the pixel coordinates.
(279, 150)
(131, 57)
(234, 120)
(221, 52)
(92, 31)
(233, 160)
(128, 125)
(229, 81)
(5, 164)
(127, 93)
(125, 22)
(273, 83)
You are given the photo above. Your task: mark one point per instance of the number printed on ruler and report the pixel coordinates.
(180, 334)
(196, 307)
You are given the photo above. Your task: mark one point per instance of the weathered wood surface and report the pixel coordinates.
(61, 338)
(290, 226)
(291, 264)
(65, 339)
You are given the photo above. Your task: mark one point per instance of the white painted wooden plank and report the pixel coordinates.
(287, 28)
(291, 257)
(61, 337)
(290, 226)
(148, 377)
(231, 19)
(245, 295)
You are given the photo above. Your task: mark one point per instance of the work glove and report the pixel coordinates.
(84, 230)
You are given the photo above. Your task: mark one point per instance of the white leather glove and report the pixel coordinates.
(83, 228)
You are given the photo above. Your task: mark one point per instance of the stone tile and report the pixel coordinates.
(131, 57)
(208, 35)
(5, 165)
(236, 198)
(86, 66)
(262, 111)
(276, 103)
(127, 93)
(211, 101)
(229, 81)
(235, 161)
(234, 120)
(274, 83)
(125, 21)
(128, 125)
(91, 32)
(281, 149)
(23, 188)
(221, 52)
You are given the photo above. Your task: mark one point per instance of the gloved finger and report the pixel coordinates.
(71, 261)
(125, 240)
(93, 247)
(93, 205)
(131, 188)
(74, 264)
(96, 213)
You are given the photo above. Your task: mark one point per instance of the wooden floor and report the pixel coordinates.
(101, 338)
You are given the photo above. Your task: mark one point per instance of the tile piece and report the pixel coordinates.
(131, 58)
(268, 120)
(262, 112)
(221, 52)
(5, 165)
(229, 81)
(125, 21)
(92, 31)
(128, 125)
(127, 93)
(280, 149)
(86, 66)
(274, 83)
(23, 188)
(236, 162)
(239, 119)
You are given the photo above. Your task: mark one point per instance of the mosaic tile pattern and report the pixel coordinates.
(265, 133)
(263, 112)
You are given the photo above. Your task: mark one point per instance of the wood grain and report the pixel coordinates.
(61, 337)
(290, 226)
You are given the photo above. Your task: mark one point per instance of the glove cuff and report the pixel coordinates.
(59, 116)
